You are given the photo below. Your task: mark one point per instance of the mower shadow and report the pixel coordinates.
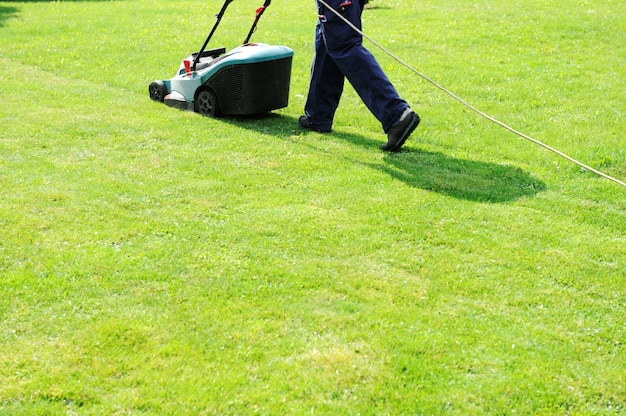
(433, 171)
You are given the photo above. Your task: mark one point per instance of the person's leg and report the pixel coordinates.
(325, 88)
(344, 46)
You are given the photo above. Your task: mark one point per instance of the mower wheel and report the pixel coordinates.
(207, 104)
(158, 91)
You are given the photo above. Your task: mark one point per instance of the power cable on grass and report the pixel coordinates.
(468, 105)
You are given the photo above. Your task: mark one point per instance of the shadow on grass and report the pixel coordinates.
(459, 178)
(433, 171)
(6, 13)
(48, 1)
(372, 7)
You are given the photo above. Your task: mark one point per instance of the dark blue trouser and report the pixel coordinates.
(340, 54)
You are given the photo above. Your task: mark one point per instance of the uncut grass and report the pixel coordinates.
(157, 262)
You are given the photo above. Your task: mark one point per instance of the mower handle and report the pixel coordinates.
(259, 13)
(206, 42)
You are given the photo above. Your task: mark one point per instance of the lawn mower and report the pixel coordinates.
(250, 79)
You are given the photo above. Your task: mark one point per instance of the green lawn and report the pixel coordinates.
(155, 262)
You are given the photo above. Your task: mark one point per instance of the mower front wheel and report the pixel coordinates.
(207, 104)
(158, 91)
